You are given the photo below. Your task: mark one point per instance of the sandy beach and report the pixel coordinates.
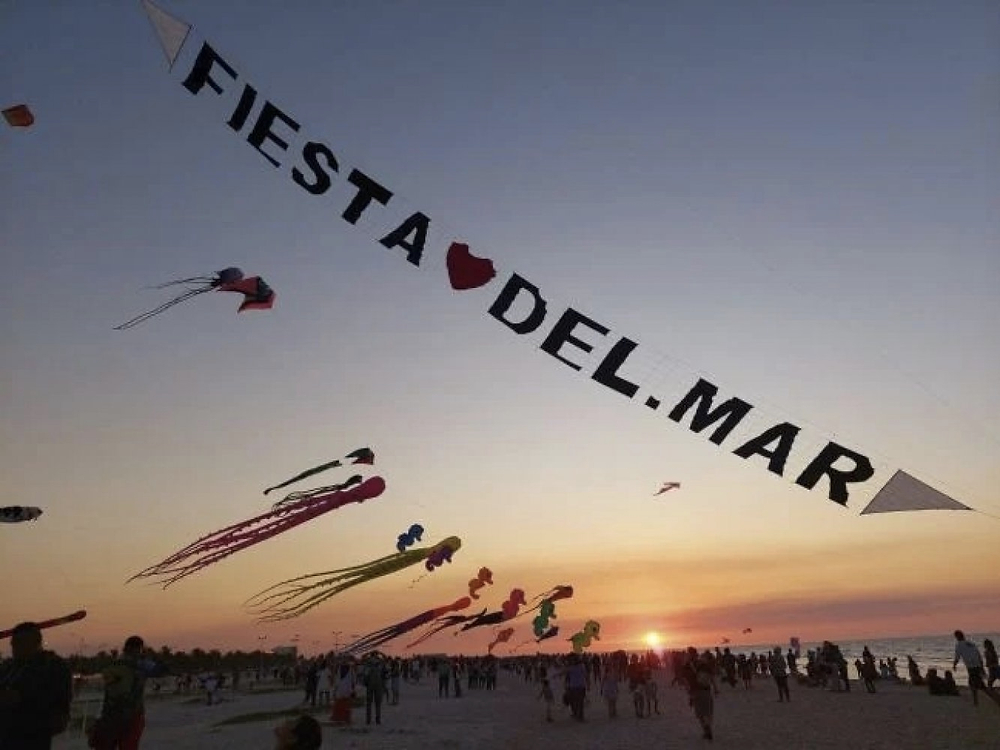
(898, 716)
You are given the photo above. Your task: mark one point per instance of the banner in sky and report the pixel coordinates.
(574, 339)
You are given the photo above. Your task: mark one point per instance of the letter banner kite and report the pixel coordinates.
(657, 382)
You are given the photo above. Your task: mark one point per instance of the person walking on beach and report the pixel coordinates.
(609, 689)
(968, 654)
(549, 697)
(576, 685)
(992, 663)
(700, 679)
(36, 689)
(123, 713)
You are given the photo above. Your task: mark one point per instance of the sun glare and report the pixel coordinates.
(652, 639)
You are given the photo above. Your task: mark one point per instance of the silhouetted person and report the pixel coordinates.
(36, 689)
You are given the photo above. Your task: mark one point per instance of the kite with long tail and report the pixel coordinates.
(550, 633)
(443, 623)
(257, 295)
(508, 611)
(220, 544)
(553, 595)
(502, 637)
(19, 513)
(390, 632)
(295, 596)
(359, 456)
(78, 615)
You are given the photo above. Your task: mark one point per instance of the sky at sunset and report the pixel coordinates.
(795, 203)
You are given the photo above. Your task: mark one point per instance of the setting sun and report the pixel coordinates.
(652, 639)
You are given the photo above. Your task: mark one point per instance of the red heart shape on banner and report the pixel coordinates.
(466, 271)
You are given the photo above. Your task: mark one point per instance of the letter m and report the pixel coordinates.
(700, 396)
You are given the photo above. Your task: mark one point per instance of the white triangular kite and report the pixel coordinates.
(172, 32)
(904, 492)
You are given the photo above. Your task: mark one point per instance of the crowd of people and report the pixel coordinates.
(36, 686)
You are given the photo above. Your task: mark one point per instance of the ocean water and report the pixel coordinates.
(936, 651)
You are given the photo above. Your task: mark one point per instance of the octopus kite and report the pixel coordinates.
(19, 514)
(257, 295)
(220, 544)
(390, 632)
(296, 596)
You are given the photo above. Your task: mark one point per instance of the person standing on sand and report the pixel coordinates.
(36, 689)
(123, 714)
(343, 695)
(374, 689)
(780, 675)
(444, 677)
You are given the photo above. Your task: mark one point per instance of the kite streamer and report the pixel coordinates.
(508, 611)
(296, 596)
(294, 497)
(220, 544)
(390, 632)
(359, 456)
(443, 623)
(19, 513)
(257, 295)
(78, 615)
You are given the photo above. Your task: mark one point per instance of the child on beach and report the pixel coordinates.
(549, 697)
